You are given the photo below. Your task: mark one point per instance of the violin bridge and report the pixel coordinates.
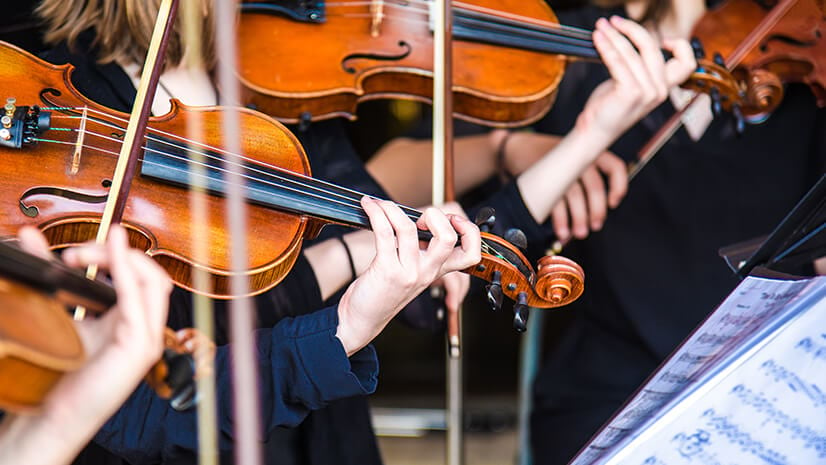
(377, 15)
(81, 134)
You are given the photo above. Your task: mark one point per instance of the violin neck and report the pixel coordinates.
(270, 187)
(54, 277)
(487, 28)
(558, 40)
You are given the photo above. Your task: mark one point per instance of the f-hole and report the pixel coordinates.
(764, 46)
(403, 53)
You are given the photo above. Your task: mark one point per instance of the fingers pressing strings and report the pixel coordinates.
(274, 176)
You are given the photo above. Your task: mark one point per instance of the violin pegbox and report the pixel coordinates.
(558, 281)
(750, 96)
(713, 78)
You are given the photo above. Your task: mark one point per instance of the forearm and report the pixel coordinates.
(544, 183)
(404, 166)
(330, 262)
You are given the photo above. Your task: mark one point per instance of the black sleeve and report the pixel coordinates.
(334, 159)
(511, 212)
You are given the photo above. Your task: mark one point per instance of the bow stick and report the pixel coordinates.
(443, 191)
(135, 131)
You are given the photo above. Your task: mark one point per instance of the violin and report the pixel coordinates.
(39, 342)
(509, 56)
(766, 44)
(59, 152)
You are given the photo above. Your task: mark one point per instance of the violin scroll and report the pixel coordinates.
(765, 45)
(560, 280)
(557, 282)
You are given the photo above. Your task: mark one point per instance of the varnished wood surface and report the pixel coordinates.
(288, 68)
(38, 344)
(157, 214)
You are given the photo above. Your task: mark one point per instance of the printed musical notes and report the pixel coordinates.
(747, 387)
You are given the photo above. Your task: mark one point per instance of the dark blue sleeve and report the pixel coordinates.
(302, 366)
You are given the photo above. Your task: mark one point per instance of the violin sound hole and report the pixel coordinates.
(32, 211)
(47, 93)
(764, 46)
(405, 51)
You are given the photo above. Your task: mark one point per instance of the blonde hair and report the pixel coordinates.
(122, 28)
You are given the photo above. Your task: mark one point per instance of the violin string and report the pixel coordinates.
(466, 8)
(484, 246)
(113, 154)
(310, 190)
(353, 209)
(349, 208)
(354, 195)
(462, 7)
(550, 37)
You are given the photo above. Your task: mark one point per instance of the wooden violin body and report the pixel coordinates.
(38, 345)
(296, 70)
(42, 187)
(59, 180)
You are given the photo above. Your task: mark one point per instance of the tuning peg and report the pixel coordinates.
(739, 120)
(719, 59)
(485, 219)
(494, 290)
(180, 378)
(697, 46)
(520, 313)
(716, 104)
(517, 237)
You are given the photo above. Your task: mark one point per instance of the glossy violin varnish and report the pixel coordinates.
(293, 69)
(38, 345)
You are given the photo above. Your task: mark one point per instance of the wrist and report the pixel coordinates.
(354, 331)
(346, 331)
(362, 249)
(592, 142)
(353, 274)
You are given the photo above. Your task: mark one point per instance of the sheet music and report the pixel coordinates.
(755, 305)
